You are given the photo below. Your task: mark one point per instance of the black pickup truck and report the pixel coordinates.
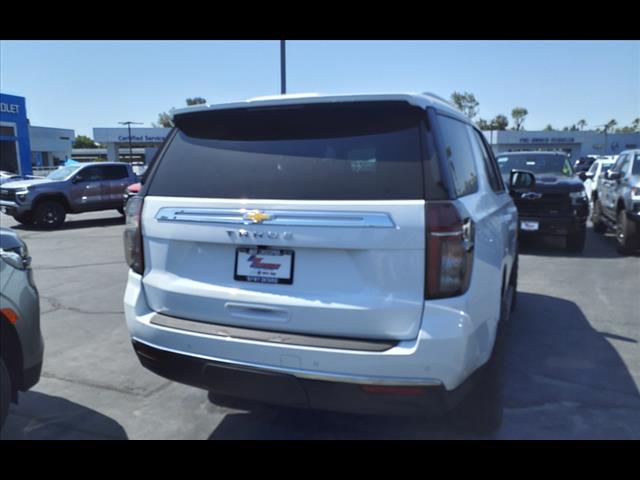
(558, 205)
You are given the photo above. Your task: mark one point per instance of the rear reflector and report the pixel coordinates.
(392, 390)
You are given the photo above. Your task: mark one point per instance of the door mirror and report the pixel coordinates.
(614, 175)
(76, 179)
(521, 180)
(589, 175)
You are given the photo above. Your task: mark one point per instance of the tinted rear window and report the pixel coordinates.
(347, 151)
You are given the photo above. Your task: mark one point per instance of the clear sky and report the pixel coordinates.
(86, 84)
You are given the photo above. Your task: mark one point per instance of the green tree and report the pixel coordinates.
(482, 124)
(82, 141)
(610, 124)
(581, 124)
(634, 127)
(519, 114)
(164, 118)
(500, 122)
(466, 102)
(548, 128)
(196, 101)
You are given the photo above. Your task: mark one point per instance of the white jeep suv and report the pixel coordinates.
(349, 253)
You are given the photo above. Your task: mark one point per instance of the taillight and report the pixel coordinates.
(133, 235)
(449, 250)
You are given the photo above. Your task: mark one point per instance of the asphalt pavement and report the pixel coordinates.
(573, 355)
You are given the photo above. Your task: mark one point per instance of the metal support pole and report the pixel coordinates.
(283, 69)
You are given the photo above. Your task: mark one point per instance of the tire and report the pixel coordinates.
(5, 392)
(24, 219)
(481, 412)
(625, 234)
(596, 217)
(49, 214)
(576, 241)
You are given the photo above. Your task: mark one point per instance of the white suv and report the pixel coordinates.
(350, 253)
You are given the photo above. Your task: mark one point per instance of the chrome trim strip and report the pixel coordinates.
(288, 218)
(326, 376)
(270, 336)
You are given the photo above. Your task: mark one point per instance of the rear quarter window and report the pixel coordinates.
(459, 155)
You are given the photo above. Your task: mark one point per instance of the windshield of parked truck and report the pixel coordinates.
(536, 163)
(63, 173)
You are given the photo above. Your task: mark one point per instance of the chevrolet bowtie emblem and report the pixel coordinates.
(256, 216)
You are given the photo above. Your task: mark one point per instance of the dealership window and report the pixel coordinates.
(8, 149)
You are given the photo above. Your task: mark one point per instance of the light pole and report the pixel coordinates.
(128, 124)
(283, 69)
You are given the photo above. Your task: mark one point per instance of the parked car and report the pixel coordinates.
(9, 177)
(617, 201)
(21, 344)
(347, 253)
(598, 168)
(558, 205)
(129, 192)
(583, 164)
(70, 189)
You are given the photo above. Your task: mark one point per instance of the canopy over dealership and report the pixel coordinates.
(27, 149)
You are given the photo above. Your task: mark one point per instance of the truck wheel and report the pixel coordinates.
(50, 214)
(575, 242)
(481, 412)
(25, 219)
(596, 217)
(625, 234)
(5, 392)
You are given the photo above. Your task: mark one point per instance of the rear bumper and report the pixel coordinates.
(449, 349)
(554, 225)
(289, 390)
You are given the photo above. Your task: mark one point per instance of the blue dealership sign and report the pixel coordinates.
(14, 135)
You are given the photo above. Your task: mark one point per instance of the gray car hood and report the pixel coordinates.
(22, 184)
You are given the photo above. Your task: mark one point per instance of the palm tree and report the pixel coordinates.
(610, 124)
(581, 124)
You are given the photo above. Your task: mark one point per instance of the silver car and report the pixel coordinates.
(21, 343)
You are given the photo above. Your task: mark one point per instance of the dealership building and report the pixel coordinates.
(28, 149)
(25, 148)
(576, 144)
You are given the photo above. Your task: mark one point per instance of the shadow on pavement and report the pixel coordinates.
(44, 417)
(564, 373)
(563, 379)
(77, 224)
(596, 246)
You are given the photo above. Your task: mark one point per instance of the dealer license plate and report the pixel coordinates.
(264, 265)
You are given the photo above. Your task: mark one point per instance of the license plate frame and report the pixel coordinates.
(268, 275)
